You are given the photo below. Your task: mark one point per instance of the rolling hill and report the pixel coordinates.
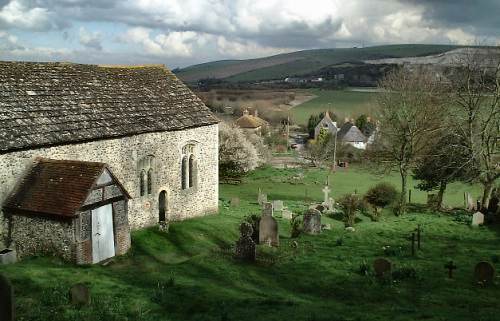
(301, 62)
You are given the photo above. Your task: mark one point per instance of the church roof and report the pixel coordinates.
(57, 187)
(43, 104)
(350, 133)
(250, 121)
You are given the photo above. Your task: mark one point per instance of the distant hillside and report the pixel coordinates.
(301, 62)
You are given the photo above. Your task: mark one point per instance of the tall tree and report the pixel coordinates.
(475, 114)
(410, 114)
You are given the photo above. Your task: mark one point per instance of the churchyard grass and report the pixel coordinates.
(187, 274)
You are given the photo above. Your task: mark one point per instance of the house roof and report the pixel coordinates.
(250, 121)
(56, 187)
(43, 104)
(350, 133)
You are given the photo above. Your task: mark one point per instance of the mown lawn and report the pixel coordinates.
(342, 102)
(187, 274)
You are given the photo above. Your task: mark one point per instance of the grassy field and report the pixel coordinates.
(342, 102)
(188, 275)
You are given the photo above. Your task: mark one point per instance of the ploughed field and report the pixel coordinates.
(189, 273)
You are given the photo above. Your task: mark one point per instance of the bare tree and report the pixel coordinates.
(411, 110)
(475, 113)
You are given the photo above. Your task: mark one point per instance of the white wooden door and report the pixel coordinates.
(103, 239)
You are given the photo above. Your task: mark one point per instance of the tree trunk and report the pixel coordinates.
(488, 189)
(442, 188)
(404, 190)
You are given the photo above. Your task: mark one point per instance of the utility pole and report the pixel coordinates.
(335, 150)
(288, 131)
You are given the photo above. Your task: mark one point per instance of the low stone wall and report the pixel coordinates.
(38, 235)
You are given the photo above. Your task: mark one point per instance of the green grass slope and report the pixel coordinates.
(301, 62)
(184, 275)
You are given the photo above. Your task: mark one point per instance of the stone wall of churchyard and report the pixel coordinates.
(125, 158)
(40, 235)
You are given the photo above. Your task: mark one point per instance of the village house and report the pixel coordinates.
(251, 123)
(89, 152)
(348, 133)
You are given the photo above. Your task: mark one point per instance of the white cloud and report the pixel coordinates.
(90, 39)
(461, 37)
(16, 14)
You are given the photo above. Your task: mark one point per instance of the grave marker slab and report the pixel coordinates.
(484, 273)
(80, 294)
(382, 267)
(235, 202)
(268, 231)
(312, 221)
(477, 219)
(245, 246)
(268, 209)
(278, 205)
(261, 198)
(287, 215)
(7, 311)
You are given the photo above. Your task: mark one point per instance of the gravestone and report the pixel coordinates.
(245, 246)
(326, 197)
(261, 198)
(484, 273)
(312, 221)
(8, 256)
(80, 294)
(268, 209)
(287, 214)
(278, 205)
(7, 311)
(477, 219)
(469, 201)
(268, 227)
(382, 267)
(235, 202)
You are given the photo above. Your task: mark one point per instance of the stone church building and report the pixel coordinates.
(139, 126)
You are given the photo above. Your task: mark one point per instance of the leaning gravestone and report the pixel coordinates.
(382, 267)
(278, 205)
(287, 214)
(484, 273)
(80, 294)
(268, 227)
(469, 201)
(477, 219)
(235, 202)
(245, 246)
(261, 198)
(312, 221)
(7, 311)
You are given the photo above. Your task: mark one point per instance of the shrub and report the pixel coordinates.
(380, 196)
(296, 225)
(350, 203)
(254, 220)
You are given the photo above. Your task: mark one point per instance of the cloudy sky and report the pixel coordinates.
(184, 32)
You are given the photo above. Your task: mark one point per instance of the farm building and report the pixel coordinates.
(348, 133)
(326, 124)
(251, 123)
(159, 141)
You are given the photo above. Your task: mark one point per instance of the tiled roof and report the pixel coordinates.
(56, 187)
(350, 133)
(250, 121)
(44, 104)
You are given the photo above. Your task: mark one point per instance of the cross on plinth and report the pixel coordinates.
(450, 266)
(326, 190)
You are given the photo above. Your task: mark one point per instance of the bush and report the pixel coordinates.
(350, 203)
(296, 225)
(380, 196)
(254, 220)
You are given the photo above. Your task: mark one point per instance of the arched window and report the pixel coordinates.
(184, 172)
(142, 182)
(150, 181)
(191, 171)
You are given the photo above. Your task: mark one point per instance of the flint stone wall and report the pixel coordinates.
(123, 156)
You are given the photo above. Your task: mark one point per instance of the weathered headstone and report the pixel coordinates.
(287, 214)
(484, 273)
(80, 294)
(268, 227)
(7, 311)
(245, 246)
(469, 201)
(477, 219)
(8, 256)
(312, 221)
(326, 196)
(382, 267)
(261, 198)
(235, 202)
(268, 209)
(278, 205)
